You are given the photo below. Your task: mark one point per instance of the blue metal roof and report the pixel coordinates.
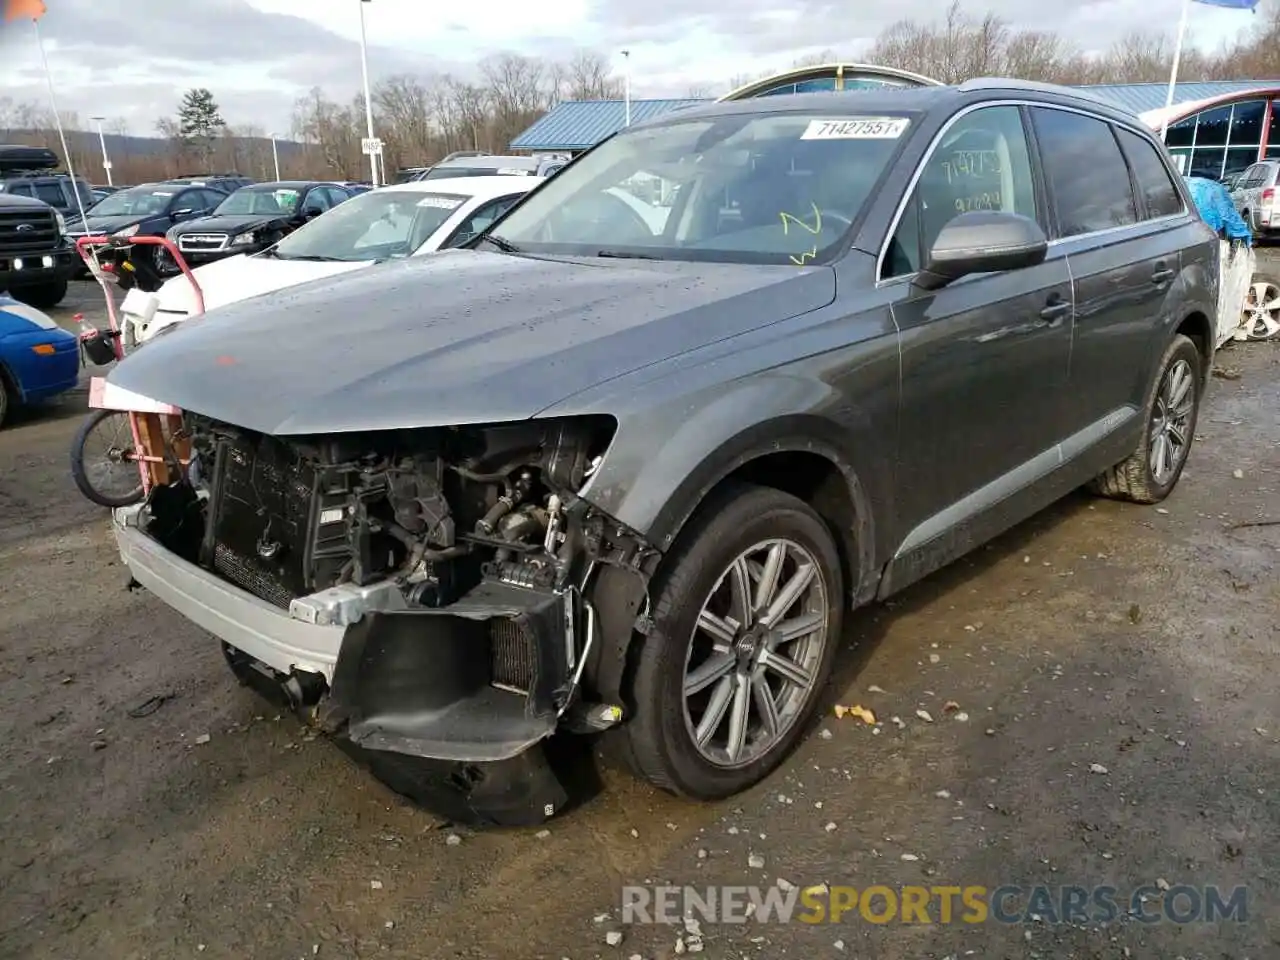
(581, 124)
(1141, 97)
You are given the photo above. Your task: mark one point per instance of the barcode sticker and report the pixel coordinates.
(859, 128)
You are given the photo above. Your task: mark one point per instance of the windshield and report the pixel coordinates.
(747, 188)
(373, 226)
(272, 201)
(138, 202)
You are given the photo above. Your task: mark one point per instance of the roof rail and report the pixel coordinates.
(1012, 83)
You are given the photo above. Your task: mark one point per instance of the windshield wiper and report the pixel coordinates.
(625, 255)
(314, 258)
(503, 244)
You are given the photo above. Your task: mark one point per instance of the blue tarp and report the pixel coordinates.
(1216, 209)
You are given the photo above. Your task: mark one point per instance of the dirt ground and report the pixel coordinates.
(1114, 723)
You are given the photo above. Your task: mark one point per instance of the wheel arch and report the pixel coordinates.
(1199, 329)
(805, 455)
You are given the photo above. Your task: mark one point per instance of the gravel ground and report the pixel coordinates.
(1091, 700)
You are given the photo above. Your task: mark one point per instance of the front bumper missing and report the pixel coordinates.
(387, 681)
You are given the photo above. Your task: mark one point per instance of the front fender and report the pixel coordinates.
(661, 464)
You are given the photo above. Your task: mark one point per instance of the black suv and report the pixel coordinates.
(255, 217)
(629, 466)
(36, 258)
(32, 172)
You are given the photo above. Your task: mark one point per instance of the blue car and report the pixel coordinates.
(38, 359)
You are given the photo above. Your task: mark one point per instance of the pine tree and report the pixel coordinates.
(199, 122)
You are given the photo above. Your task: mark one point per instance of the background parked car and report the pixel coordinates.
(38, 359)
(253, 218)
(1255, 197)
(226, 182)
(148, 211)
(397, 221)
(32, 172)
(36, 259)
(483, 166)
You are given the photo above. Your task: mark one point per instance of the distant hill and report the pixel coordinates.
(86, 142)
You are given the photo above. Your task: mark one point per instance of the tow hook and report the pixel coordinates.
(591, 717)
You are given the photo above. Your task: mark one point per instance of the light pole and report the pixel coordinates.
(368, 100)
(626, 86)
(275, 158)
(102, 142)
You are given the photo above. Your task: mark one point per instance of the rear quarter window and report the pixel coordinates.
(1154, 183)
(1087, 175)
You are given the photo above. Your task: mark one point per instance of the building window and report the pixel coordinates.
(1182, 133)
(1213, 126)
(1246, 123)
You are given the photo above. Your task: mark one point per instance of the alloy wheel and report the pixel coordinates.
(1262, 311)
(754, 656)
(1170, 436)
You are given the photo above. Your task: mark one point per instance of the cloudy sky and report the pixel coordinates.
(259, 55)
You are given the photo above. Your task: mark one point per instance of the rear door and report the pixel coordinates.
(984, 359)
(1116, 216)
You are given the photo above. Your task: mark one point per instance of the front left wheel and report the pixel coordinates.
(746, 621)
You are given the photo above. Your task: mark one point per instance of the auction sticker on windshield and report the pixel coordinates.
(440, 203)
(862, 128)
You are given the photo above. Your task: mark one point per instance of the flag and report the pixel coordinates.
(23, 9)
(1250, 5)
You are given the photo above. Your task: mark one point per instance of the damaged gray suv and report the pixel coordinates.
(625, 466)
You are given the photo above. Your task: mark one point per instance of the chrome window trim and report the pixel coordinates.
(973, 107)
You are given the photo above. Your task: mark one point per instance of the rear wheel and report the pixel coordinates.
(43, 296)
(1151, 472)
(746, 621)
(4, 398)
(102, 462)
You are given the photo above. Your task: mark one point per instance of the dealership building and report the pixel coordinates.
(1215, 127)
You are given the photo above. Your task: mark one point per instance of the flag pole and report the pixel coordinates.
(57, 120)
(1173, 73)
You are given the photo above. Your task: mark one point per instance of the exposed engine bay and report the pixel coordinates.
(461, 563)
(435, 511)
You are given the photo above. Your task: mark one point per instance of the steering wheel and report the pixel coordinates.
(841, 220)
(631, 226)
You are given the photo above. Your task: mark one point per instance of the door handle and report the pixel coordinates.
(1056, 309)
(1162, 274)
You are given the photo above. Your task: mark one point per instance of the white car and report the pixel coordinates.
(403, 220)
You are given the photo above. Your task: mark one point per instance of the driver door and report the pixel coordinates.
(984, 359)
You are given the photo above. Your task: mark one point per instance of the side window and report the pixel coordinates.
(317, 198)
(981, 162)
(1154, 182)
(212, 198)
(1246, 178)
(335, 196)
(480, 219)
(21, 189)
(1087, 175)
(51, 193)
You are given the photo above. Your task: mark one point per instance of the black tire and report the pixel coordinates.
(5, 402)
(657, 741)
(1133, 478)
(43, 296)
(80, 474)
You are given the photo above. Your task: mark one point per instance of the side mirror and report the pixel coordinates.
(183, 213)
(982, 241)
(310, 213)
